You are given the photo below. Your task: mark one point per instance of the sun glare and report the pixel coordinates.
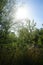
(21, 13)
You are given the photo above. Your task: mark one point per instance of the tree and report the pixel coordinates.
(35, 37)
(2, 4)
(5, 20)
(30, 25)
(40, 41)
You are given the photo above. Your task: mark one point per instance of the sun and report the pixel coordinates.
(21, 13)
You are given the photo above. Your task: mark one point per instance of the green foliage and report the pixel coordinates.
(10, 55)
(5, 22)
(24, 36)
(12, 37)
(26, 48)
(2, 28)
(2, 4)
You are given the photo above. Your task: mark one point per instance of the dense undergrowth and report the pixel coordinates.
(10, 55)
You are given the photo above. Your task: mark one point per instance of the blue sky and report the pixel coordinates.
(36, 10)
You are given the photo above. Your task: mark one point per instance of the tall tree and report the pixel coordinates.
(5, 19)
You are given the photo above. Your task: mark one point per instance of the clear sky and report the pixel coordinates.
(36, 9)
